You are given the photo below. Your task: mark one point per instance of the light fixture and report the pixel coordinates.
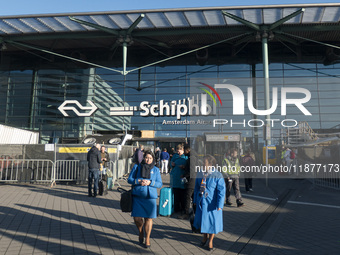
(202, 56)
(258, 37)
(3, 46)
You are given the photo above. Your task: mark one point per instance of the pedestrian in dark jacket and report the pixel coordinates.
(94, 161)
(157, 156)
(138, 156)
(165, 161)
(248, 161)
(190, 177)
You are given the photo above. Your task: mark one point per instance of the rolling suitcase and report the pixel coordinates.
(102, 186)
(166, 202)
(109, 183)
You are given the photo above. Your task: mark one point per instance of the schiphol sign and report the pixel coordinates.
(199, 106)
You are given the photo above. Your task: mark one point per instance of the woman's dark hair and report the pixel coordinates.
(211, 159)
(149, 152)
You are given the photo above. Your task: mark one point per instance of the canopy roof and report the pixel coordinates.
(152, 35)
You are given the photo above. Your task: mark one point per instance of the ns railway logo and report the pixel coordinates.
(198, 105)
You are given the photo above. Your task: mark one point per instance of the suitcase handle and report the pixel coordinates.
(121, 190)
(165, 203)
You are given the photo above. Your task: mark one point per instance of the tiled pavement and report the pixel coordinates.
(287, 217)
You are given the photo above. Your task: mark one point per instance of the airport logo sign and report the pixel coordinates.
(63, 108)
(187, 106)
(198, 105)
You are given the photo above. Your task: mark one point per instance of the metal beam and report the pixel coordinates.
(63, 56)
(152, 42)
(284, 19)
(243, 40)
(134, 24)
(286, 39)
(243, 21)
(310, 40)
(99, 27)
(187, 52)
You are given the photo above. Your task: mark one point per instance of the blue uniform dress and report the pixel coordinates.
(207, 218)
(144, 197)
(177, 172)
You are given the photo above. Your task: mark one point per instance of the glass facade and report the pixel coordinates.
(30, 99)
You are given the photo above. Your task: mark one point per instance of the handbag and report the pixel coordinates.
(126, 197)
(192, 219)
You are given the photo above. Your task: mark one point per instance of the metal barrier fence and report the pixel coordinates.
(47, 171)
(29, 170)
(328, 177)
(66, 170)
(120, 169)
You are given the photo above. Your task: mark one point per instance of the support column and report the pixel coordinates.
(124, 57)
(254, 83)
(266, 92)
(266, 83)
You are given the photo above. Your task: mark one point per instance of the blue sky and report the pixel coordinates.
(21, 7)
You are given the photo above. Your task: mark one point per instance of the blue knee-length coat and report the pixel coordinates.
(207, 218)
(144, 197)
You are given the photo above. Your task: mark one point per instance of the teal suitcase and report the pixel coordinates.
(166, 202)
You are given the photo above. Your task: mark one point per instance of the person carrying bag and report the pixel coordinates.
(146, 179)
(126, 198)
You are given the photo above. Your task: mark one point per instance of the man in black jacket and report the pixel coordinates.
(94, 159)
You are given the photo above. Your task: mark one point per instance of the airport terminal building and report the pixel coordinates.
(70, 75)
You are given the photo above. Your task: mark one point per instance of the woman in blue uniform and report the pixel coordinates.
(145, 179)
(209, 200)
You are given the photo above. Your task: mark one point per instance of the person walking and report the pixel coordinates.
(231, 169)
(157, 156)
(105, 158)
(94, 161)
(172, 152)
(138, 155)
(209, 200)
(178, 163)
(164, 161)
(283, 152)
(288, 160)
(145, 179)
(190, 175)
(248, 161)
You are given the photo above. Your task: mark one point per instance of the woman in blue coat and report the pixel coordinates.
(209, 200)
(145, 179)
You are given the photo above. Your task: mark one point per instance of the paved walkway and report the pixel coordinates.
(287, 217)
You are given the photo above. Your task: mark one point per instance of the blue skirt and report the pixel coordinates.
(144, 207)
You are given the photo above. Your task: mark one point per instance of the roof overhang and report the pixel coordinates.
(164, 33)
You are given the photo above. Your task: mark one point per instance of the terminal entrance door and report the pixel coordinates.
(218, 144)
